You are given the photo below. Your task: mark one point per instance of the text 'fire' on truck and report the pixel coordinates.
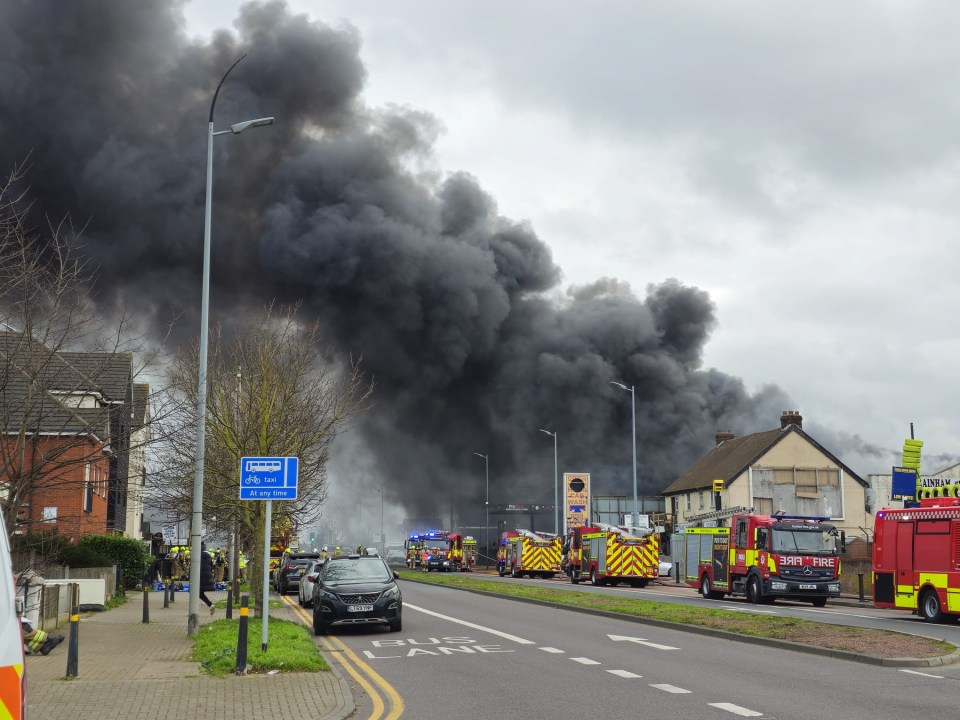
(522, 552)
(916, 559)
(766, 557)
(609, 555)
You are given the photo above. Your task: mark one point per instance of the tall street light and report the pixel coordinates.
(196, 525)
(633, 415)
(486, 504)
(556, 490)
(383, 549)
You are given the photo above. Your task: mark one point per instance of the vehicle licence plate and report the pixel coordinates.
(808, 587)
(359, 608)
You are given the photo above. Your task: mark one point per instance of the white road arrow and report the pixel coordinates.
(641, 641)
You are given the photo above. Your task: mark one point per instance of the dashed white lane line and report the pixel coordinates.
(482, 628)
(736, 709)
(917, 672)
(585, 661)
(670, 688)
(624, 673)
(553, 650)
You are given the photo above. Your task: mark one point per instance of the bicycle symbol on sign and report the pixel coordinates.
(253, 480)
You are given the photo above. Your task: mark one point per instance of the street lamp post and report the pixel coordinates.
(486, 504)
(383, 549)
(634, 518)
(196, 525)
(556, 489)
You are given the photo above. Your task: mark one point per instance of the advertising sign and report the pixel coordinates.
(576, 499)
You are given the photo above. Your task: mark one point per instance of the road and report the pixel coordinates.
(483, 657)
(865, 615)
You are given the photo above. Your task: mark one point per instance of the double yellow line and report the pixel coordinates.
(380, 691)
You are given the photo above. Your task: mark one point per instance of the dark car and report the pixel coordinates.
(292, 567)
(356, 590)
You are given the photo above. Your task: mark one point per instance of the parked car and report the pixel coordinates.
(666, 567)
(292, 569)
(356, 590)
(287, 558)
(396, 557)
(305, 597)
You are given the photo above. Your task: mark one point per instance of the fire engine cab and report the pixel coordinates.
(609, 555)
(916, 558)
(766, 557)
(434, 553)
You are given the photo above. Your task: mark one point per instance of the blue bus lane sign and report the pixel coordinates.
(268, 478)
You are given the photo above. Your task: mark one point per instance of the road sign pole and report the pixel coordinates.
(266, 574)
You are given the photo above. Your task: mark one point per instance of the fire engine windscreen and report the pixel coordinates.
(812, 540)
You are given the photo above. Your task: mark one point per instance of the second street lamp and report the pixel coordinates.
(486, 504)
(556, 489)
(196, 526)
(634, 517)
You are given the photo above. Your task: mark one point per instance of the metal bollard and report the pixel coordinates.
(241, 667)
(73, 648)
(229, 602)
(173, 589)
(166, 593)
(146, 605)
(860, 580)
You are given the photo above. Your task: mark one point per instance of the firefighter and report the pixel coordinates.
(324, 554)
(337, 552)
(36, 640)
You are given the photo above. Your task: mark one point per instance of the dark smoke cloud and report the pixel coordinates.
(453, 307)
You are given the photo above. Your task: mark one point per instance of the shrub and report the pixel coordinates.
(128, 553)
(81, 556)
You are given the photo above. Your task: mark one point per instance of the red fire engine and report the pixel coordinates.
(765, 557)
(462, 552)
(610, 555)
(522, 552)
(916, 558)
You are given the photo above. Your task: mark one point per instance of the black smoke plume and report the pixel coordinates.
(455, 309)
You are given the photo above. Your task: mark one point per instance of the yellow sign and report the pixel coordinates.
(718, 485)
(576, 499)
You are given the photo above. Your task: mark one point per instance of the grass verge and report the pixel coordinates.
(291, 648)
(878, 643)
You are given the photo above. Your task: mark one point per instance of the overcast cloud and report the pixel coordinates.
(742, 208)
(797, 162)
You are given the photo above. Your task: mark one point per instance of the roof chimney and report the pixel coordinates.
(723, 436)
(791, 417)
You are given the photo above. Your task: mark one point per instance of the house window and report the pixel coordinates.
(688, 502)
(50, 514)
(702, 506)
(88, 497)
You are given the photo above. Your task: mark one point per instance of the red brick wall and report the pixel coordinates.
(62, 485)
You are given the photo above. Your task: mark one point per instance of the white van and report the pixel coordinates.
(11, 639)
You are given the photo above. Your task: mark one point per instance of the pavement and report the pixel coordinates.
(130, 669)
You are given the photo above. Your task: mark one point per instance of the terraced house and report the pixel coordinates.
(68, 419)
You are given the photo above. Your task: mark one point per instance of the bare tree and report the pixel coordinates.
(272, 392)
(67, 381)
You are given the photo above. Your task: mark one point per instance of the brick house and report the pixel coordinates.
(66, 419)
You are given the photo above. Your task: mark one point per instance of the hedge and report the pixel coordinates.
(128, 553)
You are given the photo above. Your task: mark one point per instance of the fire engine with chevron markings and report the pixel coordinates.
(609, 555)
(916, 559)
(766, 557)
(523, 552)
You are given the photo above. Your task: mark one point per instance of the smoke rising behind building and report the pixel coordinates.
(460, 314)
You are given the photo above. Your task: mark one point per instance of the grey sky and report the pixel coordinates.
(799, 163)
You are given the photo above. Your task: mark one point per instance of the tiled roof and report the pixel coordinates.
(141, 393)
(109, 373)
(731, 458)
(31, 378)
